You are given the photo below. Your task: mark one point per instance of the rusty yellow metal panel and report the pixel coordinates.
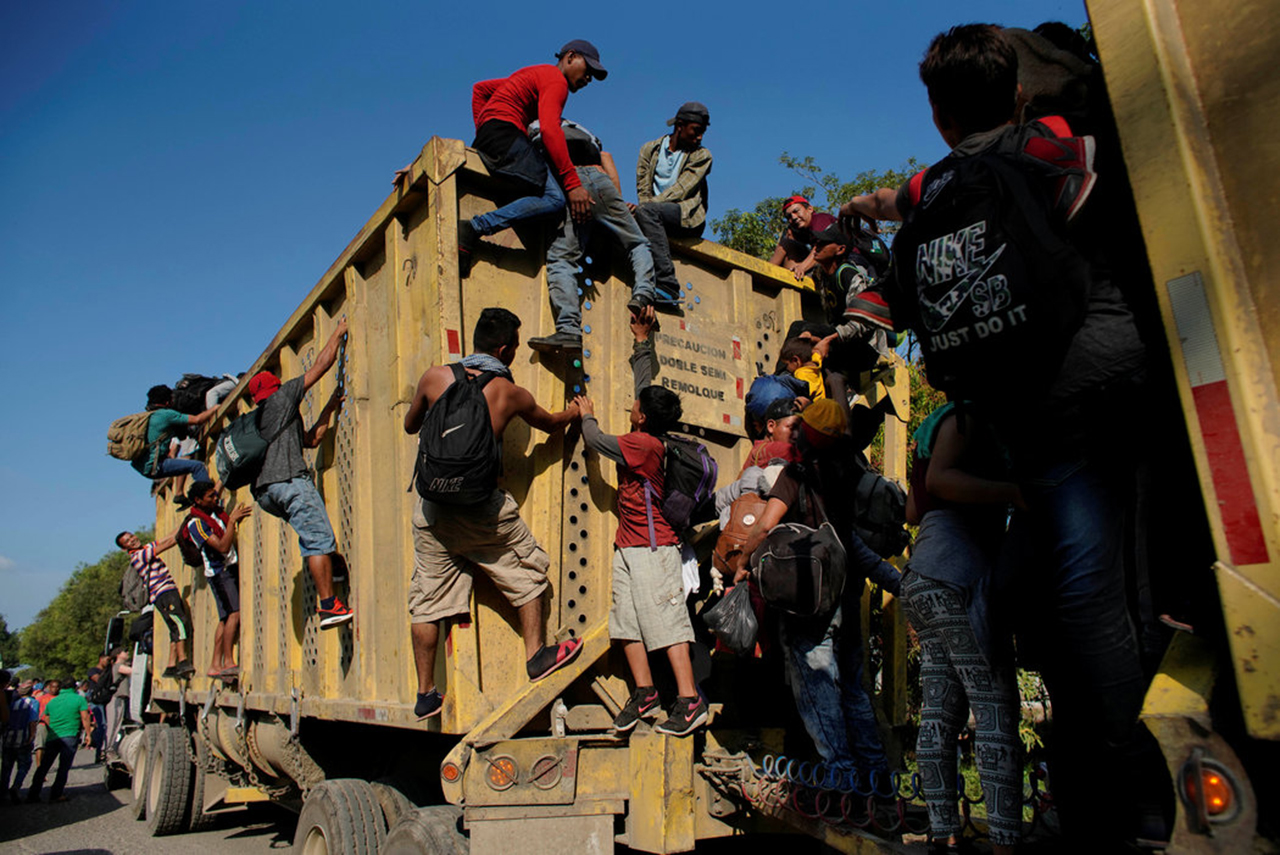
(660, 816)
(1196, 102)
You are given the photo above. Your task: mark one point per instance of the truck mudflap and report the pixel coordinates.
(1217, 810)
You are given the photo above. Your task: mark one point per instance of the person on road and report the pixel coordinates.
(17, 740)
(67, 717)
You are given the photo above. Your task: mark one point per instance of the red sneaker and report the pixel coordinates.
(335, 616)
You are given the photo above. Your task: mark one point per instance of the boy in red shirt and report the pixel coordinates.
(503, 109)
(648, 612)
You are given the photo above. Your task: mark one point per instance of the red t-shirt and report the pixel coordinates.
(643, 454)
(536, 92)
(765, 450)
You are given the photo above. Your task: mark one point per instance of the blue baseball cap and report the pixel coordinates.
(589, 53)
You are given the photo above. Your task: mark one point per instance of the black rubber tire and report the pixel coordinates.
(340, 817)
(168, 782)
(394, 803)
(434, 830)
(197, 819)
(140, 770)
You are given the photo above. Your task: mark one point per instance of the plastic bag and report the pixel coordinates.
(733, 621)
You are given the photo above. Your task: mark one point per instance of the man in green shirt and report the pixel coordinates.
(67, 716)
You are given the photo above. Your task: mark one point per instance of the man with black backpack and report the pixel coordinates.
(649, 613)
(283, 486)
(1015, 316)
(808, 515)
(462, 519)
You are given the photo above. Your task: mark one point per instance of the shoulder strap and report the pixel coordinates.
(915, 187)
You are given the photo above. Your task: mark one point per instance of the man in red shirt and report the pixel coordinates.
(503, 109)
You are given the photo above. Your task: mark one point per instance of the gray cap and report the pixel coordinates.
(692, 111)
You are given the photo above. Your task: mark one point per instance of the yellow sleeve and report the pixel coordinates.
(812, 376)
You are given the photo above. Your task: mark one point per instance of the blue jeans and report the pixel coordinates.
(657, 220)
(298, 503)
(62, 749)
(98, 715)
(1065, 557)
(551, 201)
(566, 251)
(824, 666)
(181, 466)
(15, 759)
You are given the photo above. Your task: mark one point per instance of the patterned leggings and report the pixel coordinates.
(955, 676)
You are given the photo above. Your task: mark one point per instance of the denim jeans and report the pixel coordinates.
(15, 759)
(656, 221)
(298, 503)
(552, 201)
(824, 665)
(566, 251)
(1065, 557)
(182, 466)
(62, 749)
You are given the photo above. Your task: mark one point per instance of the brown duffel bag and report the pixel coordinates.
(744, 519)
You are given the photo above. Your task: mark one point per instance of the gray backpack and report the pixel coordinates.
(133, 590)
(880, 514)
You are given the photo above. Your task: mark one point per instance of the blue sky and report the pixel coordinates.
(175, 177)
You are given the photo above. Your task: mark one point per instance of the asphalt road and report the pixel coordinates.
(97, 822)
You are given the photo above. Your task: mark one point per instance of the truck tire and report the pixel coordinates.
(340, 817)
(168, 782)
(429, 831)
(394, 803)
(197, 819)
(139, 771)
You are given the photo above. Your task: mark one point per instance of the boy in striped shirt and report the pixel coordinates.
(163, 595)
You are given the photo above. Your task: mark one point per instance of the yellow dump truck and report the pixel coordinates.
(323, 721)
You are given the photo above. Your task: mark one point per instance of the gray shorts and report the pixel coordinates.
(648, 597)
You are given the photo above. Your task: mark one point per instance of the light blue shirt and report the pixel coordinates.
(668, 166)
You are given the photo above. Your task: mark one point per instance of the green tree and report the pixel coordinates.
(756, 231)
(66, 637)
(10, 646)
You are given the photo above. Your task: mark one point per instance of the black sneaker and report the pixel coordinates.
(184, 669)
(559, 340)
(644, 703)
(170, 673)
(428, 705)
(687, 715)
(670, 305)
(552, 658)
(638, 303)
(468, 237)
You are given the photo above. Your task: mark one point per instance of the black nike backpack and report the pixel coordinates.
(984, 270)
(459, 460)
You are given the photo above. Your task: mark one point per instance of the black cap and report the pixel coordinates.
(832, 234)
(589, 53)
(692, 111)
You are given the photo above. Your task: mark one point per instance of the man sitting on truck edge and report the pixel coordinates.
(162, 593)
(451, 537)
(284, 487)
(671, 186)
(503, 109)
(649, 613)
(597, 172)
(1065, 550)
(213, 532)
(796, 246)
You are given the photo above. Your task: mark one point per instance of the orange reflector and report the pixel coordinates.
(450, 772)
(1218, 794)
(502, 772)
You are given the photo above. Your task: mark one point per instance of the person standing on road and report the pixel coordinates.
(118, 709)
(284, 487)
(95, 678)
(67, 717)
(18, 738)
